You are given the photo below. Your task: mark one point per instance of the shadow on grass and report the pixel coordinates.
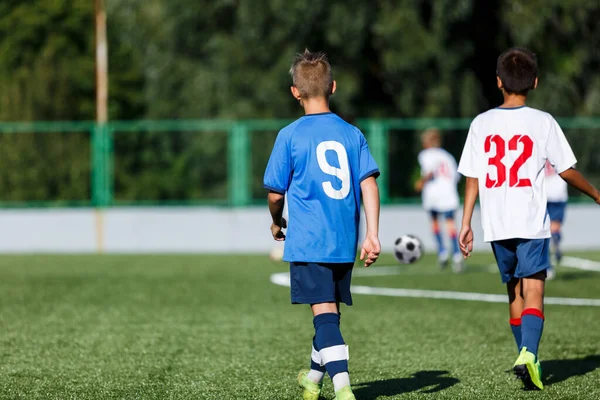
(433, 381)
(555, 371)
(573, 276)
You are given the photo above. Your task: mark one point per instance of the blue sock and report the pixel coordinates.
(532, 325)
(440, 241)
(556, 237)
(329, 341)
(454, 239)
(515, 327)
(317, 371)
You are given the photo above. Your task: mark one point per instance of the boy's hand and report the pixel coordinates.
(369, 253)
(465, 240)
(276, 230)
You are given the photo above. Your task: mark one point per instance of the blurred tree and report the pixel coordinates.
(229, 59)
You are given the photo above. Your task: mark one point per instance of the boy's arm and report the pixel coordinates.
(466, 233)
(371, 247)
(276, 203)
(578, 181)
(420, 183)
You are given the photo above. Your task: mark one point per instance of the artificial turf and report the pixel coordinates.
(214, 327)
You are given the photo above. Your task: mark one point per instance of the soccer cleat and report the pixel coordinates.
(443, 258)
(310, 389)
(458, 263)
(345, 393)
(528, 370)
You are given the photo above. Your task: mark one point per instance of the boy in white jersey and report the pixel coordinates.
(558, 194)
(503, 159)
(440, 197)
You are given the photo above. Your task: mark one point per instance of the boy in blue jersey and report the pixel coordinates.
(323, 164)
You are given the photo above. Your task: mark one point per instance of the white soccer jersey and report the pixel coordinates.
(507, 149)
(439, 194)
(556, 187)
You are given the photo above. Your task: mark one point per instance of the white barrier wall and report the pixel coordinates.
(214, 230)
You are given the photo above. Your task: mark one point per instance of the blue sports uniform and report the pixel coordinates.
(320, 161)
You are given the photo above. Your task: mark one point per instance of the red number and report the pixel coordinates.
(444, 170)
(515, 181)
(496, 160)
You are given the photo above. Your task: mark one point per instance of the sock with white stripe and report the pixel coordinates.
(332, 348)
(317, 371)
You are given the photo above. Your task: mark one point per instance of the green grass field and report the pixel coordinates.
(214, 327)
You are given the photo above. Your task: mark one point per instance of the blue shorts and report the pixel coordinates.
(520, 258)
(447, 214)
(556, 210)
(314, 283)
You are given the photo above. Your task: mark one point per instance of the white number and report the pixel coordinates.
(342, 173)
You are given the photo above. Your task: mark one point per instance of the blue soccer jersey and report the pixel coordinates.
(320, 161)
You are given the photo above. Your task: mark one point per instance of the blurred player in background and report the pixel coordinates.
(504, 160)
(558, 194)
(324, 165)
(440, 197)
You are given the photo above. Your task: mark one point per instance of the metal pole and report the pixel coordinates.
(101, 65)
(100, 195)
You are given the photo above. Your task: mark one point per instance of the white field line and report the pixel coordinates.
(283, 279)
(580, 263)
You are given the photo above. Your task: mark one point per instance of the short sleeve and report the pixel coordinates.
(368, 167)
(279, 168)
(468, 160)
(558, 150)
(425, 163)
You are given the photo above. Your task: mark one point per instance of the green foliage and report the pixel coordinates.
(229, 59)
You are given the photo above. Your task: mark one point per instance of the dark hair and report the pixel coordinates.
(517, 69)
(311, 74)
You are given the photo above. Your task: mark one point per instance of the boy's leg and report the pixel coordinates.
(435, 228)
(331, 345)
(532, 317)
(515, 308)
(457, 258)
(555, 229)
(556, 210)
(317, 369)
(533, 256)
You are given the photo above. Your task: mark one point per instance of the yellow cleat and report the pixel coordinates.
(345, 393)
(528, 370)
(310, 389)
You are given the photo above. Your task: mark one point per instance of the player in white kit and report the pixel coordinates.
(558, 194)
(438, 181)
(504, 161)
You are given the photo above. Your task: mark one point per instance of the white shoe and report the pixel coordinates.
(550, 273)
(443, 258)
(458, 263)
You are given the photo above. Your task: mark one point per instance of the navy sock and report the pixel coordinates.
(515, 327)
(314, 364)
(329, 341)
(532, 325)
(440, 241)
(454, 239)
(556, 238)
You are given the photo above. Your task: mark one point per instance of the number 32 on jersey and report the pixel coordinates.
(499, 151)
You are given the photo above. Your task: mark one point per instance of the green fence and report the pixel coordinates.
(217, 162)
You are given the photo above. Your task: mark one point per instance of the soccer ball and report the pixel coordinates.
(276, 253)
(408, 249)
